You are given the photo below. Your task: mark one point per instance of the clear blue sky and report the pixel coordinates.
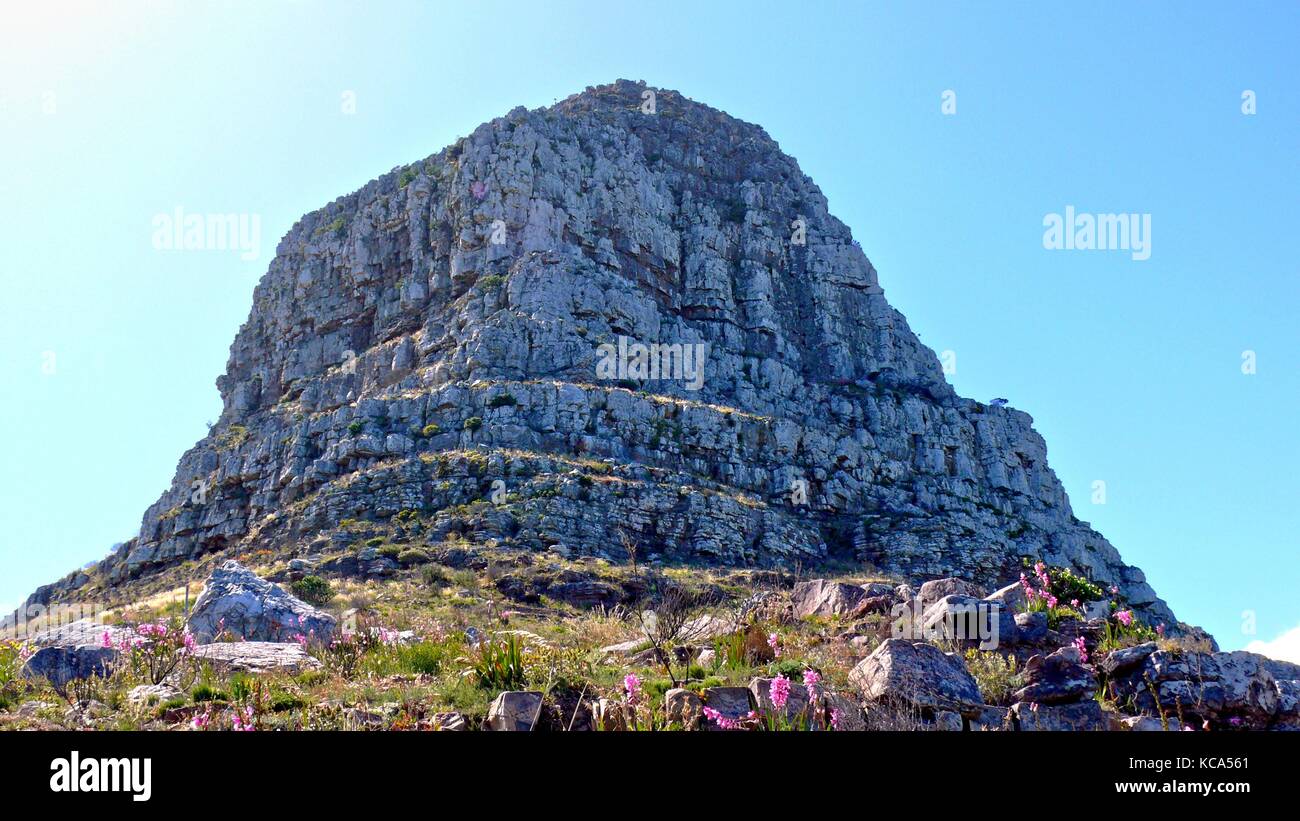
(1131, 369)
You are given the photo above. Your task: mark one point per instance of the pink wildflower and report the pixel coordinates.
(835, 719)
(1124, 617)
(1082, 648)
(632, 685)
(1074, 602)
(107, 641)
(722, 721)
(811, 678)
(242, 720)
(774, 641)
(780, 691)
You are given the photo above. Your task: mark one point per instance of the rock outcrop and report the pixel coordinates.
(238, 603)
(459, 338)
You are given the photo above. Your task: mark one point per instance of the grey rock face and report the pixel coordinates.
(820, 597)
(440, 329)
(1082, 716)
(919, 674)
(514, 711)
(74, 651)
(236, 600)
(1229, 690)
(1057, 679)
(256, 657)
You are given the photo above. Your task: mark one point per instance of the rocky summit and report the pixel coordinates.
(626, 323)
(598, 420)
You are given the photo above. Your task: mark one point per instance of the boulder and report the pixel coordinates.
(1119, 662)
(796, 705)
(1234, 689)
(820, 597)
(878, 589)
(1012, 597)
(970, 621)
(683, 707)
(932, 591)
(514, 711)
(74, 651)
(236, 600)
(256, 657)
(1084, 715)
(918, 674)
(991, 719)
(448, 722)
(1031, 628)
(732, 702)
(1058, 678)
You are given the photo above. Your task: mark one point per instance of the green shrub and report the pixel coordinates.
(422, 658)
(356, 427)
(996, 675)
(313, 590)
(473, 423)
(502, 400)
(283, 702)
(1067, 586)
(407, 176)
(374, 541)
(241, 687)
(412, 556)
(390, 551)
(206, 692)
(491, 282)
(498, 665)
(431, 429)
(435, 575)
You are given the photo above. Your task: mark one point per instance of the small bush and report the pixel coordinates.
(356, 427)
(313, 590)
(996, 675)
(431, 429)
(412, 556)
(491, 282)
(206, 692)
(498, 665)
(502, 400)
(283, 702)
(435, 575)
(473, 423)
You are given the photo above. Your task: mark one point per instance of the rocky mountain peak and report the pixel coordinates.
(626, 321)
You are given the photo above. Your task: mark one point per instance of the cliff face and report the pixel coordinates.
(432, 343)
